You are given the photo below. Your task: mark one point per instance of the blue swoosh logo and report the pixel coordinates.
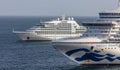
(94, 56)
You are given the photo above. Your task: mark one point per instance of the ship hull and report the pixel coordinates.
(90, 54)
(32, 36)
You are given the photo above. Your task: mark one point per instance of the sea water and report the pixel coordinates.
(19, 55)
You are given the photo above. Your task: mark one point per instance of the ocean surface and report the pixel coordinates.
(18, 55)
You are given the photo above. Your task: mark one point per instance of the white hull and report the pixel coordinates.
(83, 54)
(28, 36)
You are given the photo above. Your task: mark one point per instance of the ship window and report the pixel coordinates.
(91, 47)
(28, 38)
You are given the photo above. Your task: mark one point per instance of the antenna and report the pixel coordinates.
(13, 30)
(63, 17)
(118, 3)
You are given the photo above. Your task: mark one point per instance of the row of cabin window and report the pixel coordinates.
(96, 35)
(109, 13)
(52, 32)
(114, 39)
(110, 48)
(102, 28)
(97, 31)
(96, 28)
(97, 24)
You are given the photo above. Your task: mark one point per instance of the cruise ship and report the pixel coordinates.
(100, 44)
(52, 30)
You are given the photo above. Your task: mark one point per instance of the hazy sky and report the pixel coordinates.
(55, 7)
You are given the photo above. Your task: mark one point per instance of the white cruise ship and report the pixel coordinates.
(100, 44)
(52, 30)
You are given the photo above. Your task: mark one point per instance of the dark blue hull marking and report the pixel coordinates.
(92, 55)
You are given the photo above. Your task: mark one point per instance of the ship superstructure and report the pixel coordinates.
(52, 30)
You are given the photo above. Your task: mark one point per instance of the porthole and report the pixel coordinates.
(28, 38)
(91, 47)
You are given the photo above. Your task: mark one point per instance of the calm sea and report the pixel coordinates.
(17, 55)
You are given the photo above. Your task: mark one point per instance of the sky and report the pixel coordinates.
(55, 7)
